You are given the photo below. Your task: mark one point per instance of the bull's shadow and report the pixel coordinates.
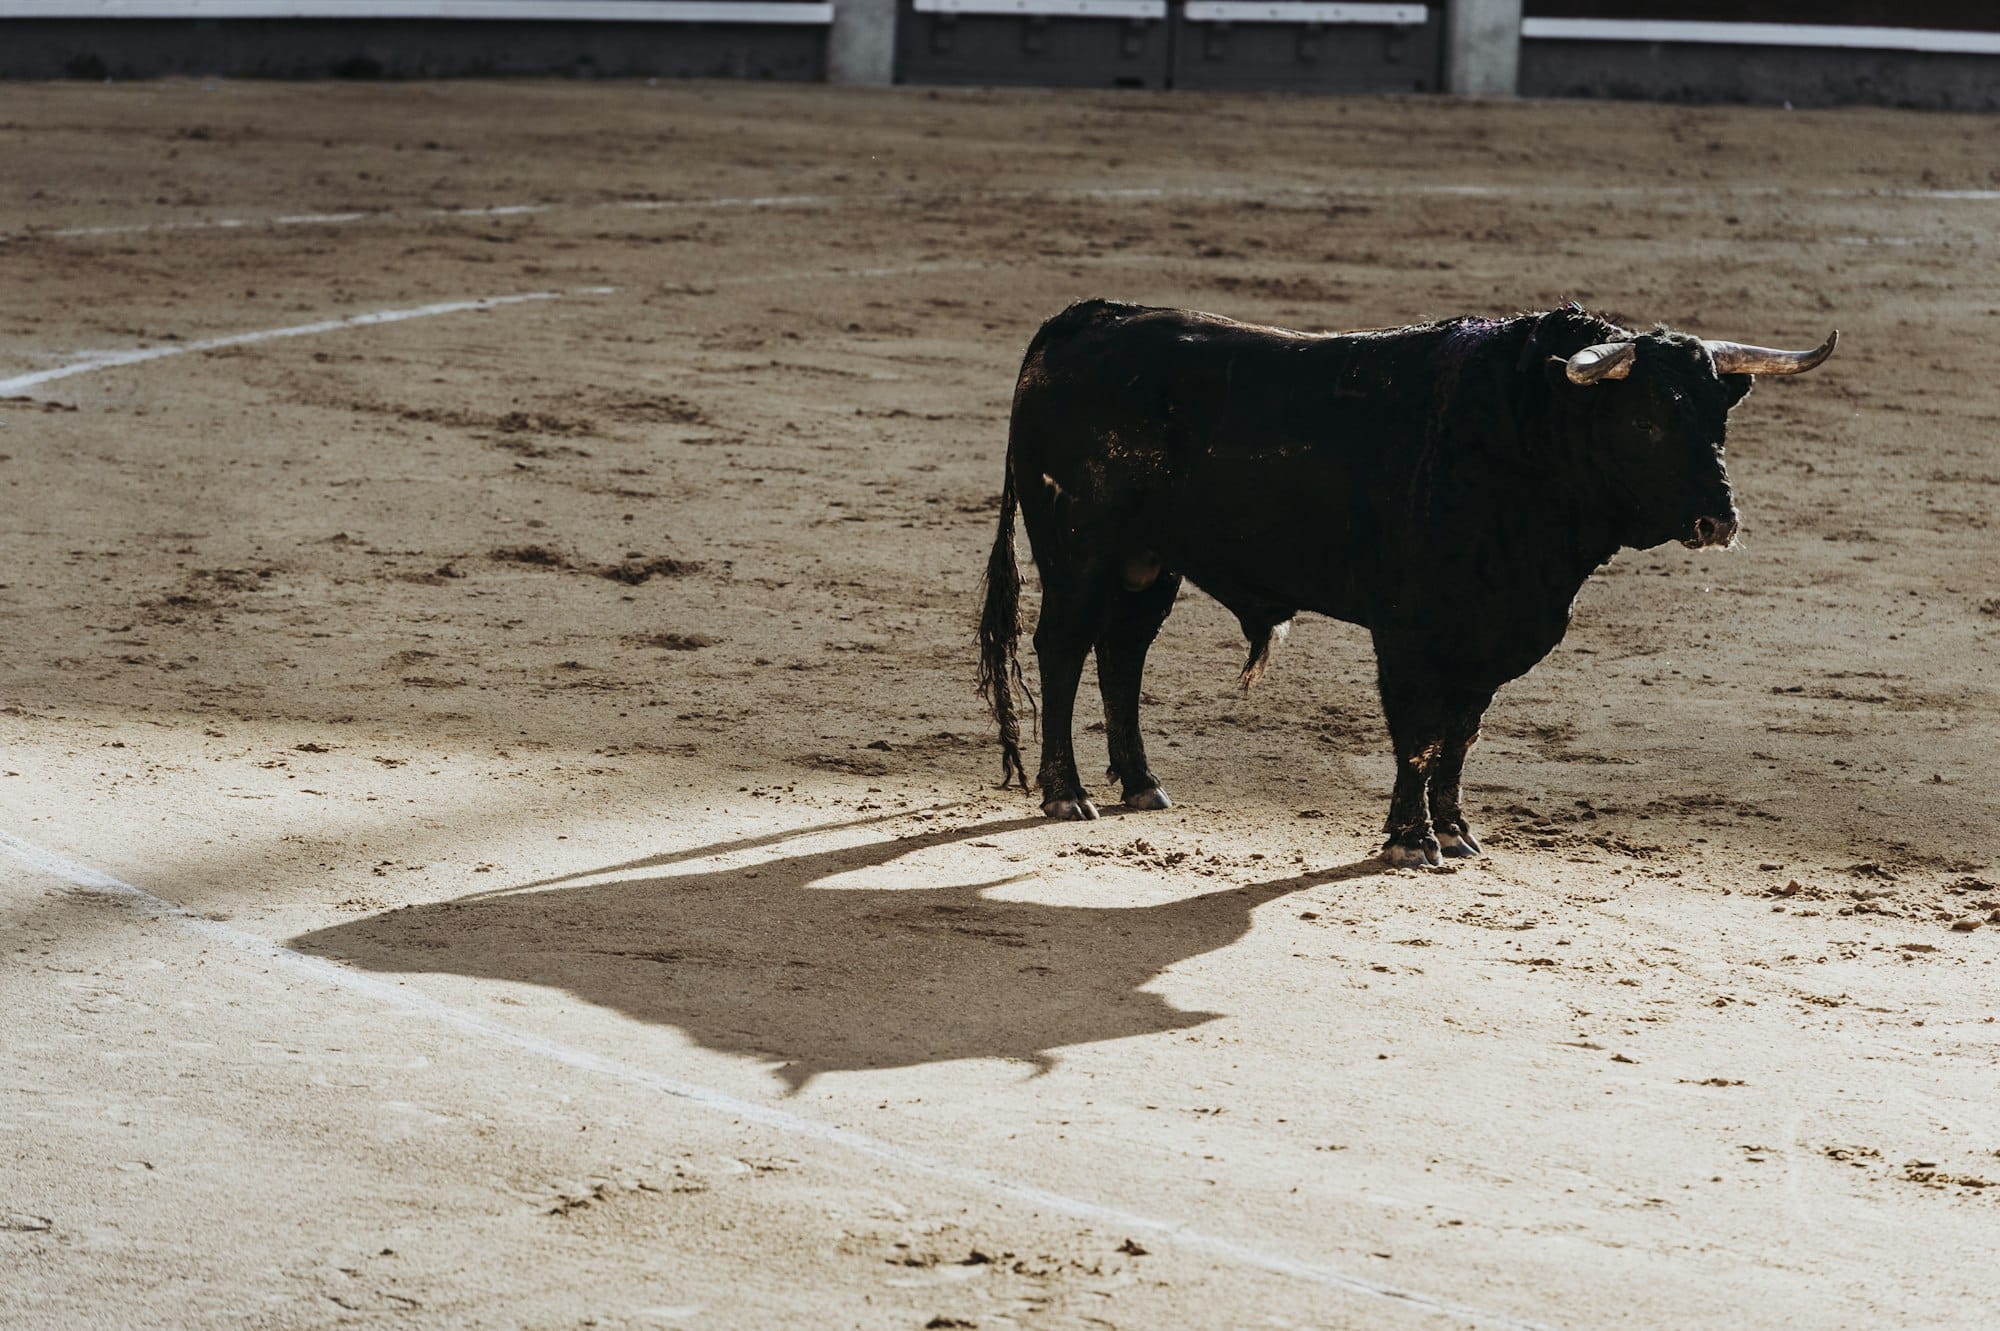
(758, 961)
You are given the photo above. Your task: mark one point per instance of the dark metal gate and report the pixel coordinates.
(1049, 43)
(1301, 45)
(1307, 47)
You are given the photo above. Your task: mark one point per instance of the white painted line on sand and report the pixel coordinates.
(104, 360)
(1943, 195)
(746, 201)
(495, 210)
(405, 1000)
(483, 210)
(214, 224)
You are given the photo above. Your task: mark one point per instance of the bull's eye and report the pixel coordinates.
(1648, 427)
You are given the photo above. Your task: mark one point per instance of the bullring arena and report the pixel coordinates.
(498, 830)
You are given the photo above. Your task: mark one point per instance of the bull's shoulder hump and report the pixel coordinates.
(1098, 312)
(1095, 310)
(1201, 321)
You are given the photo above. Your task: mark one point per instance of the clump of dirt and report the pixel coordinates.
(527, 448)
(232, 579)
(541, 556)
(668, 408)
(458, 420)
(672, 642)
(631, 570)
(543, 422)
(173, 608)
(1929, 1175)
(840, 762)
(204, 591)
(1563, 830)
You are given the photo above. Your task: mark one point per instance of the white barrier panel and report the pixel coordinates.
(1303, 11)
(1761, 34)
(585, 11)
(1154, 9)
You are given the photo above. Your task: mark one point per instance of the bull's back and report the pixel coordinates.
(1213, 443)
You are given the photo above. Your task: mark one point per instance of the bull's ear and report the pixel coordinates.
(1736, 387)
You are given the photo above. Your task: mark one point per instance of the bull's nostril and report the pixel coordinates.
(1714, 531)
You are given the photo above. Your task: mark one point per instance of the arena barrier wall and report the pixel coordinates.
(1923, 53)
(1308, 47)
(100, 39)
(1938, 54)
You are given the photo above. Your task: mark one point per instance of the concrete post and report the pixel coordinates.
(861, 48)
(1482, 48)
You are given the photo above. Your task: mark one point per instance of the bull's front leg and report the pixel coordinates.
(1412, 843)
(1462, 714)
(1416, 729)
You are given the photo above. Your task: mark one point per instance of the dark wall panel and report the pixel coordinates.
(1760, 75)
(1055, 52)
(1966, 15)
(1309, 57)
(315, 48)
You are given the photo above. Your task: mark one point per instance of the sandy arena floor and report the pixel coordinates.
(551, 723)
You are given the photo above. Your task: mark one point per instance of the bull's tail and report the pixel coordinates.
(999, 630)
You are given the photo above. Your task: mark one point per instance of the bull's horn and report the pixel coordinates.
(1606, 360)
(1735, 358)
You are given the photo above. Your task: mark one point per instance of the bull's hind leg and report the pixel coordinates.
(1134, 619)
(1072, 611)
(1462, 713)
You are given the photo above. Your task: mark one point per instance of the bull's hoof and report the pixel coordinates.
(1076, 810)
(1151, 798)
(1459, 845)
(1417, 855)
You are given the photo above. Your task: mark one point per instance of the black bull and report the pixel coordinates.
(1448, 486)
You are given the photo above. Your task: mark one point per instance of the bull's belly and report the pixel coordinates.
(1259, 590)
(1478, 645)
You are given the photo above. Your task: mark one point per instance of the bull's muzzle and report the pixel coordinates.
(1710, 531)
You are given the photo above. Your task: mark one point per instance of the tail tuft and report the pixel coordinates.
(999, 631)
